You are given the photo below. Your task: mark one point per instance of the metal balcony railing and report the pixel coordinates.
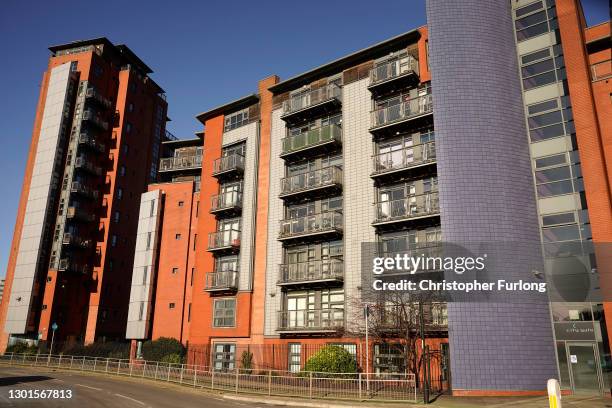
(168, 134)
(311, 271)
(228, 164)
(221, 280)
(330, 134)
(403, 111)
(311, 320)
(311, 180)
(330, 221)
(94, 94)
(313, 97)
(83, 189)
(231, 200)
(404, 158)
(85, 164)
(79, 214)
(601, 70)
(392, 317)
(394, 69)
(66, 264)
(415, 206)
(229, 239)
(76, 241)
(90, 116)
(89, 141)
(180, 163)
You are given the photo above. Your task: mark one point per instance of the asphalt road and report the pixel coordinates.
(90, 390)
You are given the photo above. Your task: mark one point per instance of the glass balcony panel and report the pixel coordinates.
(405, 158)
(311, 224)
(402, 111)
(312, 138)
(311, 319)
(409, 207)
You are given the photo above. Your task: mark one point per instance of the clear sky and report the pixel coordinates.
(204, 53)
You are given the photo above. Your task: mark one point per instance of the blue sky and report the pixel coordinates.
(203, 54)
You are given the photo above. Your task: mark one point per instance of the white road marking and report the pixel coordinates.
(87, 386)
(131, 399)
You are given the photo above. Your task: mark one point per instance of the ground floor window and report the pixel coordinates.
(389, 358)
(295, 357)
(350, 347)
(224, 356)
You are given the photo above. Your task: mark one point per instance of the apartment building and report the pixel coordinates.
(95, 146)
(490, 124)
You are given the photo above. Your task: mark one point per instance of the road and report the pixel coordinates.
(91, 390)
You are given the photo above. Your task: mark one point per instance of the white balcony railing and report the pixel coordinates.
(409, 207)
(402, 111)
(394, 69)
(310, 98)
(404, 158)
(224, 239)
(330, 221)
(311, 180)
(312, 138)
(311, 320)
(310, 271)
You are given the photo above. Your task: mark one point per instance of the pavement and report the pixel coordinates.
(98, 390)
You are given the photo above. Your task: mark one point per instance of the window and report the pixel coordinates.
(542, 67)
(174, 271)
(189, 312)
(114, 240)
(152, 209)
(534, 19)
(149, 236)
(171, 305)
(224, 356)
(177, 236)
(295, 357)
(556, 219)
(181, 203)
(116, 216)
(126, 148)
(191, 281)
(131, 107)
(389, 358)
(549, 119)
(224, 313)
(128, 127)
(145, 273)
(122, 170)
(557, 175)
(141, 311)
(119, 193)
(235, 120)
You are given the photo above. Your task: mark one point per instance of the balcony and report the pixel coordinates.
(393, 75)
(311, 321)
(80, 188)
(403, 113)
(90, 116)
(78, 214)
(228, 166)
(406, 209)
(83, 163)
(88, 141)
(601, 70)
(222, 281)
(322, 224)
(93, 94)
(224, 241)
(229, 202)
(393, 318)
(75, 241)
(315, 180)
(426, 249)
(312, 102)
(318, 140)
(66, 264)
(180, 163)
(311, 273)
(399, 161)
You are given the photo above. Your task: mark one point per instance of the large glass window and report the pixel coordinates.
(389, 358)
(534, 19)
(295, 357)
(224, 312)
(550, 119)
(224, 356)
(237, 119)
(557, 175)
(542, 67)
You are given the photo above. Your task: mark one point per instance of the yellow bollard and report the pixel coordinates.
(554, 393)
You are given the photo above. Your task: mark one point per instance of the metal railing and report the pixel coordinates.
(225, 201)
(328, 176)
(66, 264)
(78, 187)
(74, 240)
(180, 163)
(311, 271)
(79, 214)
(311, 385)
(228, 163)
(87, 140)
(84, 163)
(311, 320)
(311, 224)
(404, 158)
(95, 94)
(312, 138)
(221, 280)
(402, 111)
(394, 69)
(307, 99)
(224, 239)
(90, 115)
(169, 135)
(409, 207)
(601, 70)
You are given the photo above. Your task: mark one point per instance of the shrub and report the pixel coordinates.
(105, 350)
(172, 359)
(161, 348)
(22, 348)
(331, 359)
(246, 361)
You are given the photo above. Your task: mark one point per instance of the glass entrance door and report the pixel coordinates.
(584, 367)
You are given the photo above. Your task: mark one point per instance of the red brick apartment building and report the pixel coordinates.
(251, 237)
(99, 123)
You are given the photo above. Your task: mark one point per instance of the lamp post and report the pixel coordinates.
(53, 328)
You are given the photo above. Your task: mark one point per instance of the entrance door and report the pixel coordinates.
(585, 369)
